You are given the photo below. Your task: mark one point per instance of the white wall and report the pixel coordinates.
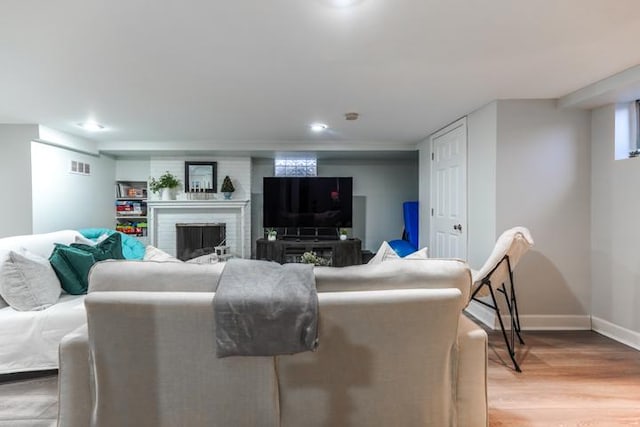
(380, 186)
(615, 238)
(15, 173)
(543, 183)
(64, 200)
(133, 170)
(482, 129)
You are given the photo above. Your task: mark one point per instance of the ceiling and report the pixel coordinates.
(257, 72)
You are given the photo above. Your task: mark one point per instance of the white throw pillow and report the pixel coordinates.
(419, 254)
(27, 281)
(152, 253)
(83, 240)
(204, 259)
(89, 242)
(384, 253)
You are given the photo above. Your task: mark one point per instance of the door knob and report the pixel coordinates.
(458, 227)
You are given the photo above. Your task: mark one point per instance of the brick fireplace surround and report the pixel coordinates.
(235, 214)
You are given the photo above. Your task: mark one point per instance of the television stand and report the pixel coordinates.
(340, 253)
(309, 233)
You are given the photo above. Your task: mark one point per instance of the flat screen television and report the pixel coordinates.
(314, 202)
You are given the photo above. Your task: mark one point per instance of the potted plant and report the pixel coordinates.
(227, 187)
(313, 258)
(272, 234)
(343, 234)
(164, 185)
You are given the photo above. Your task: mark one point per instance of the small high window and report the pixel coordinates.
(286, 166)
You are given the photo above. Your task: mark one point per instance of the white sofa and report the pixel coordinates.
(29, 339)
(394, 349)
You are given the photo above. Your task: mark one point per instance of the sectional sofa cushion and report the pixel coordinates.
(27, 281)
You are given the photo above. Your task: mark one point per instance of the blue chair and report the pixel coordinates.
(409, 242)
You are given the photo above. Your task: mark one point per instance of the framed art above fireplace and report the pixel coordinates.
(200, 177)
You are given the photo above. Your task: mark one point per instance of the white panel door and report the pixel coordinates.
(449, 192)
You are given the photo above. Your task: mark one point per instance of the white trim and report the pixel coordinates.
(535, 322)
(554, 322)
(615, 332)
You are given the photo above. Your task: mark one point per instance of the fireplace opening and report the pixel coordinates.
(197, 239)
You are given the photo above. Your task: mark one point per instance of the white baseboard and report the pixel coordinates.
(615, 332)
(558, 323)
(553, 322)
(536, 322)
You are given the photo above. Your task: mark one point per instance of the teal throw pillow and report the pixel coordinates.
(109, 248)
(132, 248)
(72, 267)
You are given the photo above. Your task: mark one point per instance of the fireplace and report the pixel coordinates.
(234, 214)
(197, 239)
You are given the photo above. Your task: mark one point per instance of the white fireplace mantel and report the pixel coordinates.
(155, 208)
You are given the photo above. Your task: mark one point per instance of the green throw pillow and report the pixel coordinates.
(72, 267)
(109, 248)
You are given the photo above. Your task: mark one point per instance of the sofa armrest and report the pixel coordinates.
(472, 374)
(74, 380)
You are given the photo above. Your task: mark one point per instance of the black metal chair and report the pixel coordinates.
(493, 277)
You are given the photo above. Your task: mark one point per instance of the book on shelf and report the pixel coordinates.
(130, 207)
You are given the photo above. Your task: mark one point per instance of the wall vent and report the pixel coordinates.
(80, 168)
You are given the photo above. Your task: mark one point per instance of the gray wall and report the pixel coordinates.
(63, 200)
(543, 182)
(615, 239)
(482, 130)
(15, 174)
(379, 188)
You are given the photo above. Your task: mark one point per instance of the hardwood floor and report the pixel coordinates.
(577, 378)
(568, 379)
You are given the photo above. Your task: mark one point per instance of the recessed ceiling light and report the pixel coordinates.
(91, 126)
(318, 127)
(342, 3)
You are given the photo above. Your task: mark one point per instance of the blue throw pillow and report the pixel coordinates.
(402, 247)
(132, 248)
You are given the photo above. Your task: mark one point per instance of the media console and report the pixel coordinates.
(341, 252)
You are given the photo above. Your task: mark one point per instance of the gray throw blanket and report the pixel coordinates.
(263, 309)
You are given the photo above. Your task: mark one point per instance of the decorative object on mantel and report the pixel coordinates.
(227, 187)
(200, 196)
(164, 185)
(200, 177)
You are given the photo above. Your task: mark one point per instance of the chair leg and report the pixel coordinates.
(516, 314)
(510, 343)
(513, 314)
